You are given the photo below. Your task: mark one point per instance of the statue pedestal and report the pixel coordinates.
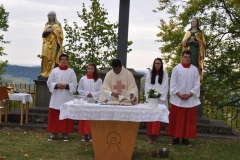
(200, 118)
(42, 92)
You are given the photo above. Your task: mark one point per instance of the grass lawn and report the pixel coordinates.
(32, 145)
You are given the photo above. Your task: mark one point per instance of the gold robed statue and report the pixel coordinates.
(195, 42)
(52, 46)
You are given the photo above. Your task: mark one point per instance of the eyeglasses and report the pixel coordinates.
(158, 63)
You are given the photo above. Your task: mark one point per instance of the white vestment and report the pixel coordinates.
(162, 88)
(60, 96)
(122, 83)
(184, 81)
(87, 86)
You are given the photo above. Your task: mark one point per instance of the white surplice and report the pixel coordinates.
(60, 96)
(162, 88)
(184, 81)
(87, 86)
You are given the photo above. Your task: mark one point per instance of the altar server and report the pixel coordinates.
(62, 83)
(184, 97)
(157, 78)
(89, 88)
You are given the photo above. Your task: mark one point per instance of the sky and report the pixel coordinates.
(28, 17)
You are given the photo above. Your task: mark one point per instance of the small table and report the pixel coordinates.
(113, 128)
(25, 99)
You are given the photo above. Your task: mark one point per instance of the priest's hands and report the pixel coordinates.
(115, 95)
(131, 96)
(61, 86)
(184, 96)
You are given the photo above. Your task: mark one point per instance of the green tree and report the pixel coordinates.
(220, 21)
(3, 28)
(96, 41)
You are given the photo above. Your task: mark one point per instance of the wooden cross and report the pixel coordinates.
(119, 87)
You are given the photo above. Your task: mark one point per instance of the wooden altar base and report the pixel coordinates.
(113, 140)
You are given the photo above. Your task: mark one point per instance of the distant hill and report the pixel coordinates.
(21, 74)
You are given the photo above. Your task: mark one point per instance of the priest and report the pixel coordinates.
(119, 81)
(184, 97)
(62, 83)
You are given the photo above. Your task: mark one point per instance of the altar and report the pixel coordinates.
(114, 128)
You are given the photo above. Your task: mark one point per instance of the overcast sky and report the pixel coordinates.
(28, 17)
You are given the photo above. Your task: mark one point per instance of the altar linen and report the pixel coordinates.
(136, 113)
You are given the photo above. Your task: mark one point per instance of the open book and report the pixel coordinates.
(120, 101)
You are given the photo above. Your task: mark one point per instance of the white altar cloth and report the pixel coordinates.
(24, 97)
(136, 113)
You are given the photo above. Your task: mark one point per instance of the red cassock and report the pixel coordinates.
(84, 127)
(153, 128)
(182, 122)
(58, 126)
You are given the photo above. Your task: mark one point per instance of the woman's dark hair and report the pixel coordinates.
(95, 73)
(153, 72)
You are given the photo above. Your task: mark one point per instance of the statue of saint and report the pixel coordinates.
(195, 42)
(52, 46)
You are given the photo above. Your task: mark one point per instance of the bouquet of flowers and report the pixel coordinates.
(153, 93)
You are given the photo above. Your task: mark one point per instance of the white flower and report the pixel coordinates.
(153, 93)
